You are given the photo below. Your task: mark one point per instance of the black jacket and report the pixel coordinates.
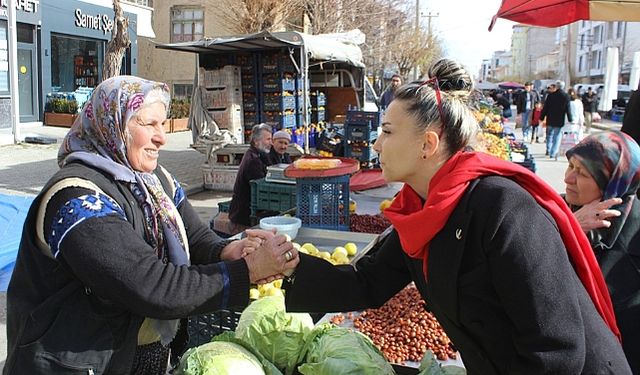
(508, 299)
(621, 269)
(631, 122)
(83, 308)
(556, 106)
(589, 102)
(521, 101)
(275, 158)
(252, 167)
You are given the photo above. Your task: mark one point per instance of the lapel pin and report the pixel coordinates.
(459, 234)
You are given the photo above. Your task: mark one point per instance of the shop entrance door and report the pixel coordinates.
(27, 76)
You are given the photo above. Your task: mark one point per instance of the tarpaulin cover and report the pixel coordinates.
(366, 179)
(13, 211)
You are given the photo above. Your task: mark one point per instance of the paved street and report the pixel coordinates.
(25, 168)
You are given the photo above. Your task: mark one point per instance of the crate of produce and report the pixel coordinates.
(278, 84)
(246, 62)
(529, 163)
(250, 119)
(359, 133)
(317, 99)
(202, 328)
(276, 102)
(279, 121)
(323, 202)
(249, 104)
(360, 152)
(271, 196)
(363, 118)
(219, 177)
(317, 117)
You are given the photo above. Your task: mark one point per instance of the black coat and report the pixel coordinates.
(500, 283)
(556, 106)
(631, 122)
(521, 101)
(275, 158)
(621, 269)
(252, 167)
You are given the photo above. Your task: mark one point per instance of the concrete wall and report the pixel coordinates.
(174, 67)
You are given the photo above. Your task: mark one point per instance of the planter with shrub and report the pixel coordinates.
(179, 114)
(61, 112)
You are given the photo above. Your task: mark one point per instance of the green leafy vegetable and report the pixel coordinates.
(219, 358)
(277, 335)
(429, 366)
(334, 350)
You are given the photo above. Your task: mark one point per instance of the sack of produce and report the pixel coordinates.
(334, 350)
(276, 334)
(224, 356)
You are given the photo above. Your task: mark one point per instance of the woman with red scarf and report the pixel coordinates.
(511, 303)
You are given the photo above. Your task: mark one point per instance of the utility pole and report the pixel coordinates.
(13, 70)
(417, 32)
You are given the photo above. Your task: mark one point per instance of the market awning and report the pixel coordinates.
(554, 13)
(327, 47)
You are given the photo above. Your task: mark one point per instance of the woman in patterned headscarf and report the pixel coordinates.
(113, 255)
(602, 181)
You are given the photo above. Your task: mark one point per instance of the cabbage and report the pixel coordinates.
(277, 335)
(219, 358)
(334, 350)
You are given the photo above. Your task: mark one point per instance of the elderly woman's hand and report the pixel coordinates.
(597, 214)
(240, 248)
(274, 258)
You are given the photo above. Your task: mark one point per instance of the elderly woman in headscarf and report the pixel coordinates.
(112, 253)
(602, 181)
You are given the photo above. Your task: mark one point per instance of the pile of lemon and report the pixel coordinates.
(340, 254)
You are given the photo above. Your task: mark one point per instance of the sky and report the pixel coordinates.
(462, 25)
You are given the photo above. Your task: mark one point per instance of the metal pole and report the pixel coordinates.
(417, 31)
(13, 70)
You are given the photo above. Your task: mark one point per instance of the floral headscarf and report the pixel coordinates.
(613, 160)
(98, 138)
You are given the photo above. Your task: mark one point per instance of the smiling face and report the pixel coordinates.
(399, 146)
(581, 188)
(146, 137)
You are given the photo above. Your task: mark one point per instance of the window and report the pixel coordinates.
(597, 34)
(146, 3)
(4, 58)
(182, 90)
(620, 29)
(594, 60)
(581, 64)
(187, 24)
(582, 41)
(75, 62)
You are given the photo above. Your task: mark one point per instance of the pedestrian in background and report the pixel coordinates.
(388, 94)
(525, 103)
(555, 110)
(253, 166)
(589, 103)
(577, 112)
(602, 179)
(535, 122)
(631, 121)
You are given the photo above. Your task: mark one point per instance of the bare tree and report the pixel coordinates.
(250, 16)
(117, 46)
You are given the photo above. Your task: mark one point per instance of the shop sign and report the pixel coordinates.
(98, 22)
(29, 6)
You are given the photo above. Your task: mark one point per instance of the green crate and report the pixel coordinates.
(271, 196)
(224, 206)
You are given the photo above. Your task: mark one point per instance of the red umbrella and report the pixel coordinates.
(554, 13)
(510, 85)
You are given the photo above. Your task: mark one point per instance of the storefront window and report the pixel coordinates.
(4, 58)
(75, 62)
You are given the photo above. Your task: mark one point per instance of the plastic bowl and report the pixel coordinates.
(283, 224)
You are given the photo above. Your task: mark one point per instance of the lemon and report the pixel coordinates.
(339, 250)
(351, 248)
(303, 250)
(296, 246)
(310, 248)
(277, 283)
(274, 292)
(254, 293)
(325, 255)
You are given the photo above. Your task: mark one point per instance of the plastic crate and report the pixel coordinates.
(228, 76)
(320, 202)
(224, 206)
(317, 116)
(277, 121)
(359, 133)
(363, 118)
(278, 84)
(317, 99)
(202, 328)
(271, 196)
(278, 102)
(360, 152)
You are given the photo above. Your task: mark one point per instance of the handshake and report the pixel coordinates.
(269, 256)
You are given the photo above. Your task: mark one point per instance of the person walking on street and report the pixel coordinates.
(577, 111)
(253, 166)
(589, 102)
(390, 93)
(556, 107)
(525, 103)
(631, 122)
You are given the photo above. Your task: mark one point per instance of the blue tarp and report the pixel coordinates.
(13, 211)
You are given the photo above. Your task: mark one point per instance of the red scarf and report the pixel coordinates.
(448, 185)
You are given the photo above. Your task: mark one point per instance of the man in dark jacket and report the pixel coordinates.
(388, 94)
(525, 102)
(556, 107)
(631, 122)
(589, 102)
(253, 166)
(278, 153)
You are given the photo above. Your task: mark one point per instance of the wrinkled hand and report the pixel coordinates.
(597, 214)
(240, 248)
(274, 258)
